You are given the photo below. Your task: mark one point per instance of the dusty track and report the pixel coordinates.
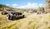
(32, 21)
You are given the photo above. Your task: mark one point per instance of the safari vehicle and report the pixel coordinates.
(15, 15)
(5, 12)
(12, 14)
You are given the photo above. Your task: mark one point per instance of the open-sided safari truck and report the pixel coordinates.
(15, 15)
(12, 15)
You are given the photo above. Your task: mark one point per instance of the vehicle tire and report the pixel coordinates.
(23, 16)
(2, 13)
(10, 17)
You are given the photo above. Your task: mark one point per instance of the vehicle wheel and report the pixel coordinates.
(10, 17)
(23, 16)
(2, 13)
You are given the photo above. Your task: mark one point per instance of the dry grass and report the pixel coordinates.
(32, 21)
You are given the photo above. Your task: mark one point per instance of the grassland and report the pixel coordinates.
(32, 21)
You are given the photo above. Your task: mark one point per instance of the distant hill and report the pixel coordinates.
(4, 6)
(1, 6)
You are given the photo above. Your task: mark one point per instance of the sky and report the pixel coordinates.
(23, 3)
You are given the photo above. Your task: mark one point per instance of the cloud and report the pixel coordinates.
(8, 4)
(12, 5)
(28, 5)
